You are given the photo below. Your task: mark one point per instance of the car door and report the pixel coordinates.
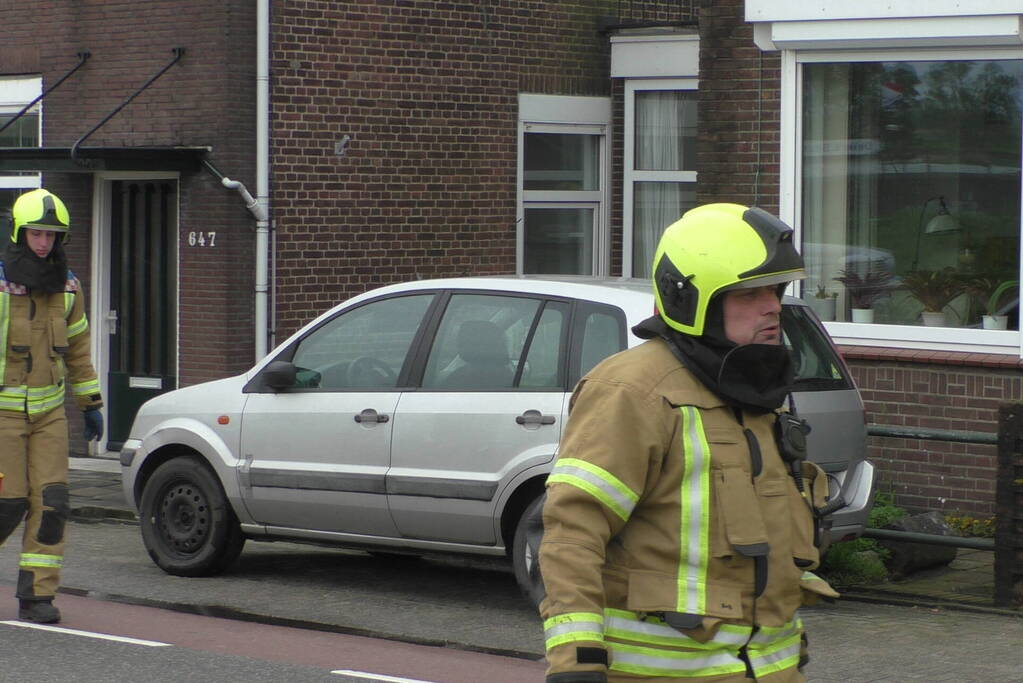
(490, 405)
(317, 452)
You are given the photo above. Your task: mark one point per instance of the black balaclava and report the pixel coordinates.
(23, 267)
(753, 377)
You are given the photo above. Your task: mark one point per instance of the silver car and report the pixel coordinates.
(424, 417)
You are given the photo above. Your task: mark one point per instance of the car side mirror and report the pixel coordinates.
(279, 374)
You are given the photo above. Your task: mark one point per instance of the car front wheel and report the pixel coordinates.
(188, 526)
(526, 552)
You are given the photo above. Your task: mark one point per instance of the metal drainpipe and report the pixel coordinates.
(262, 328)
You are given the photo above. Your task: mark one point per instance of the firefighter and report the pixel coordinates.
(680, 528)
(44, 337)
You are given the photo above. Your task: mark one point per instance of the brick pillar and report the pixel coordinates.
(1009, 507)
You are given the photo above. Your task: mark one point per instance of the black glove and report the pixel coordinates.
(577, 677)
(93, 424)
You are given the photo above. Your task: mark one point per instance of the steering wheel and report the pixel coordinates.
(367, 371)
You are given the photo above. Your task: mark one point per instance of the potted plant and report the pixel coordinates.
(823, 302)
(989, 292)
(865, 288)
(935, 289)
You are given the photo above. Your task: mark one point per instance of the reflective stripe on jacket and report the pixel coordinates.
(658, 510)
(43, 338)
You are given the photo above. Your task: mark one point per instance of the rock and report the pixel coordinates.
(912, 557)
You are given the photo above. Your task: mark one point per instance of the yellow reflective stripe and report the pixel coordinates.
(597, 482)
(5, 318)
(771, 649)
(647, 661)
(69, 302)
(90, 386)
(627, 625)
(13, 398)
(34, 560)
(694, 546)
(782, 652)
(573, 627)
(76, 328)
(42, 399)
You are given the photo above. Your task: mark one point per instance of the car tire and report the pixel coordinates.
(526, 551)
(188, 526)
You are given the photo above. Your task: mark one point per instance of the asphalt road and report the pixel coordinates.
(474, 606)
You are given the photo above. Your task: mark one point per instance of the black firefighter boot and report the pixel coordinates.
(38, 611)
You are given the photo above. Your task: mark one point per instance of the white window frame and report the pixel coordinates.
(566, 115)
(963, 35)
(632, 176)
(15, 93)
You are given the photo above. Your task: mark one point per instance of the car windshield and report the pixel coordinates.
(815, 359)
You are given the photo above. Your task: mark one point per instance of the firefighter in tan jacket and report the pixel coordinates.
(44, 338)
(679, 527)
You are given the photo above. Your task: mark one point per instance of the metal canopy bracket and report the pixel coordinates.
(83, 57)
(179, 52)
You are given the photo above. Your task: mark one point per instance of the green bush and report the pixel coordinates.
(851, 563)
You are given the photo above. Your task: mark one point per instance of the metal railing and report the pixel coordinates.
(926, 434)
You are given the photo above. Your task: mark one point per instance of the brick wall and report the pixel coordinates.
(937, 390)
(427, 93)
(739, 99)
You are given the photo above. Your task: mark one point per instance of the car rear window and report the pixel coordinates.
(815, 358)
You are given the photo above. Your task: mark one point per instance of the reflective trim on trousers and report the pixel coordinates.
(35, 560)
(597, 482)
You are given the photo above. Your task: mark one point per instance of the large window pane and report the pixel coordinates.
(562, 161)
(665, 130)
(559, 241)
(911, 181)
(655, 207)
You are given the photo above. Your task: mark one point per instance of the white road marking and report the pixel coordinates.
(86, 634)
(378, 677)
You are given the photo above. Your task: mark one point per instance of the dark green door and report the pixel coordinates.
(143, 291)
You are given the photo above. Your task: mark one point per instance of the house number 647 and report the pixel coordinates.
(202, 238)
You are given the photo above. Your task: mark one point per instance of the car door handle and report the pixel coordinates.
(370, 415)
(534, 417)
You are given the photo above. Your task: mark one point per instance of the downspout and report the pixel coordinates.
(262, 329)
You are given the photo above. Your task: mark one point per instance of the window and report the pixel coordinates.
(563, 185)
(660, 163)
(15, 93)
(481, 339)
(911, 189)
(598, 332)
(361, 348)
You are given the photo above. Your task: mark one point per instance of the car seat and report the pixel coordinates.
(484, 352)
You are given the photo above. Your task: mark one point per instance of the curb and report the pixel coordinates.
(926, 602)
(93, 513)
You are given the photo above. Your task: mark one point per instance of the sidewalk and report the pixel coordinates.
(967, 583)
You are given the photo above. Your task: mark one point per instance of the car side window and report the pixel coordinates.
(542, 367)
(479, 342)
(362, 348)
(599, 332)
(814, 358)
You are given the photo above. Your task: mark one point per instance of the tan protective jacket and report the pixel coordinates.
(43, 338)
(659, 510)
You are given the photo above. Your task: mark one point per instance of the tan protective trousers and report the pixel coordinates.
(34, 462)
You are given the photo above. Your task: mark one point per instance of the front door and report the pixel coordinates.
(142, 319)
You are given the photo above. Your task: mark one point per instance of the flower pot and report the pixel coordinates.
(995, 322)
(824, 308)
(863, 315)
(933, 318)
